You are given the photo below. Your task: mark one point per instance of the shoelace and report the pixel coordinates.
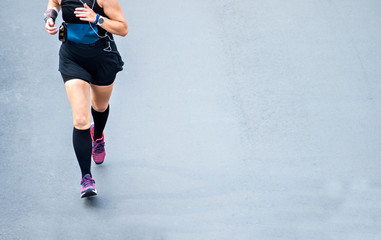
(99, 147)
(87, 182)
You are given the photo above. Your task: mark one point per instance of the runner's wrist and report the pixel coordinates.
(51, 13)
(96, 19)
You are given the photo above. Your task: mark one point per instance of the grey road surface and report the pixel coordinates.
(233, 119)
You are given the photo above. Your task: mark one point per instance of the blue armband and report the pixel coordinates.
(96, 19)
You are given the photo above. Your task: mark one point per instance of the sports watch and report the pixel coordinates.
(100, 21)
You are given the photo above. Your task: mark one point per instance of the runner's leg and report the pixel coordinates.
(100, 97)
(78, 92)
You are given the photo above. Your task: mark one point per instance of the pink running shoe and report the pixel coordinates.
(98, 152)
(87, 186)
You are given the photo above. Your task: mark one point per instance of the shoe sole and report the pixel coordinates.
(89, 193)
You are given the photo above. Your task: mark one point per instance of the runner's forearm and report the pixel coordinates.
(115, 27)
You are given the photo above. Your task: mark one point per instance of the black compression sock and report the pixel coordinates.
(100, 119)
(82, 148)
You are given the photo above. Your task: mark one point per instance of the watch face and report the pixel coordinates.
(101, 20)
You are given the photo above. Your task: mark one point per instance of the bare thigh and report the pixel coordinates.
(78, 92)
(100, 96)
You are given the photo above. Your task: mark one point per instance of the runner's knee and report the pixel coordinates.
(99, 107)
(81, 121)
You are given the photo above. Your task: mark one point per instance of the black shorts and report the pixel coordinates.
(96, 63)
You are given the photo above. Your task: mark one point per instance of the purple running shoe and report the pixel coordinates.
(98, 151)
(87, 186)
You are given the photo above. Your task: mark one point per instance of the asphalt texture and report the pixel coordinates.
(232, 119)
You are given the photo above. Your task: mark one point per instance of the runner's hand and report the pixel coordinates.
(85, 14)
(50, 28)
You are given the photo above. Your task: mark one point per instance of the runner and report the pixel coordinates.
(88, 62)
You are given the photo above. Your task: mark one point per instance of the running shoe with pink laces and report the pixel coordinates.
(88, 186)
(98, 152)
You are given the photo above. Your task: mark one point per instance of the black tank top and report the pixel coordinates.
(68, 7)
